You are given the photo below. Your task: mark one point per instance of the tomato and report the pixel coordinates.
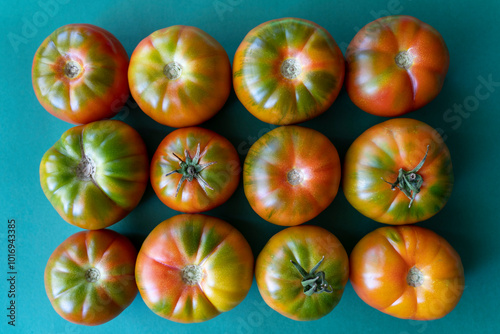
(408, 272)
(180, 76)
(302, 271)
(79, 74)
(395, 65)
(291, 174)
(398, 172)
(96, 173)
(89, 278)
(288, 71)
(195, 170)
(191, 268)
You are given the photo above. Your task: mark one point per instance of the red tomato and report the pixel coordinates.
(408, 272)
(180, 76)
(191, 268)
(195, 170)
(89, 278)
(80, 74)
(291, 174)
(395, 64)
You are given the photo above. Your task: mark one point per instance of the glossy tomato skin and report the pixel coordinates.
(220, 253)
(272, 189)
(374, 80)
(223, 176)
(99, 89)
(279, 282)
(180, 76)
(89, 278)
(260, 67)
(96, 173)
(380, 265)
(379, 153)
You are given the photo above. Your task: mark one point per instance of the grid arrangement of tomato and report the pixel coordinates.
(193, 267)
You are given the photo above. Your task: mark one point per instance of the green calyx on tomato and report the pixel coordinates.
(409, 182)
(313, 282)
(191, 168)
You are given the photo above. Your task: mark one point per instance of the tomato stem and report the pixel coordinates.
(191, 169)
(313, 282)
(409, 182)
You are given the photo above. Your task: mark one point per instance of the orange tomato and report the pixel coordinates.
(408, 272)
(180, 76)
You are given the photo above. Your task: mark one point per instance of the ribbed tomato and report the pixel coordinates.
(398, 172)
(288, 71)
(291, 174)
(80, 74)
(395, 64)
(89, 278)
(191, 268)
(408, 272)
(180, 76)
(302, 271)
(96, 173)
(195, 170)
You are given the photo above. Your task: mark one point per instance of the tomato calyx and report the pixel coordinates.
(404, 60)
(192, 274)
(92, 275)
(172, 70)
(409, 182)
(72, 69)
(313, 282)
(191, 169)
(85, 169)
(415, 277)
(290, 68)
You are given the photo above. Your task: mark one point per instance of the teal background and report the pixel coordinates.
(469, 221)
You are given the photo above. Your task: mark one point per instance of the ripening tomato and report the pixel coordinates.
(395, 65)
(180, 76)
(96, 173)
(89, 278)
(291, 174)
(195, 170)
(288, 71)
(80, 74)
(302, 271)
(191, 268)
(398, 172)
(408, 272)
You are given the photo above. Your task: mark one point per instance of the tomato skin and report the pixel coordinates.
(118, 180)
(223, 176)
(266, 92)
(376, 84)
(101, 88)
(279, 282)
(197, 94)
(79, 300)
(380, 264)
(379, 153)
(267, 167)
(217, 248)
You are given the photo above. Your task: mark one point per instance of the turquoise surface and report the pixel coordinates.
(466, 111)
